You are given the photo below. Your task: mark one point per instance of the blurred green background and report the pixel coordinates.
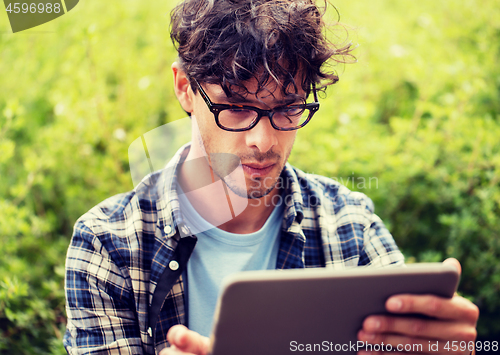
(415, 125)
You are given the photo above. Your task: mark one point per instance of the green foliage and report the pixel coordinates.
(72, 100)
(415, 125)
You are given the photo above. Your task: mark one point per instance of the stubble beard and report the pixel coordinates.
(255, 188)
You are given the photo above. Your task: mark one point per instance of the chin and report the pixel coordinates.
(256, 194)
(249, 193)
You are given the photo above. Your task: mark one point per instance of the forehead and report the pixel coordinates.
(251, 91)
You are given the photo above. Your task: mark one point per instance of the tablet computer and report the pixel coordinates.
(315, 311)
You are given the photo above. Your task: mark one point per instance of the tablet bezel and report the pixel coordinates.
(263, 312)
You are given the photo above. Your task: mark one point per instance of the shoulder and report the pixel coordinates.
(330, 193)
(351, 233)
(120, 224)
(125, 206)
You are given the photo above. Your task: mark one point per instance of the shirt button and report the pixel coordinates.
(173, 265)
(167, 229)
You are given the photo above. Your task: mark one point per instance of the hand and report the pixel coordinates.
(456, 320)
(185, 341)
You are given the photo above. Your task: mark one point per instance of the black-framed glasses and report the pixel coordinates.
(238, 118)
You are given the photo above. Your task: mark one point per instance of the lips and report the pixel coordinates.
(258, 170)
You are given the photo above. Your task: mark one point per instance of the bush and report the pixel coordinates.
(72, 100)
(415, 126)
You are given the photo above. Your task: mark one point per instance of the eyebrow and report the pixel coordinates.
(240, 100)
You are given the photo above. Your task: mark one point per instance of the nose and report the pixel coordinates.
(263, 136)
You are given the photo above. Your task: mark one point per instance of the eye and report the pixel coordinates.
(292, 111)
(239, 112)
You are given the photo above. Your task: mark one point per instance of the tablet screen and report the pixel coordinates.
(314, 310)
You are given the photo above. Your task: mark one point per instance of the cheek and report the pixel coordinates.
(214, 139)
(288, 140)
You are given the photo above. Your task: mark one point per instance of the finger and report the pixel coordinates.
(456, 308)
(173, 350)
(388, 343)
(420, 328)
(454, 262)
(364, 352)
(384, 342)
(188, 341)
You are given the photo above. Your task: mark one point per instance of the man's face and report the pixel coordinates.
(263, 151)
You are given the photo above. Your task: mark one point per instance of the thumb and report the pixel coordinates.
(455, 263)
(188, 341)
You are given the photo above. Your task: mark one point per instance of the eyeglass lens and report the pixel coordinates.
(288, 117)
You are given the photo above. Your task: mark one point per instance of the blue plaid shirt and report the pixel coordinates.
(124, 286)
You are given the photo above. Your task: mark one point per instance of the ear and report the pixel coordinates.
(182, 88)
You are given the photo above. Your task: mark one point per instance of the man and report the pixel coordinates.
(142, 264)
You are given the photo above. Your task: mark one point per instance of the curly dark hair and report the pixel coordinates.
(228, 42)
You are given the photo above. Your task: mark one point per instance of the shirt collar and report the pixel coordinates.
(293, 197)
(168, 208)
